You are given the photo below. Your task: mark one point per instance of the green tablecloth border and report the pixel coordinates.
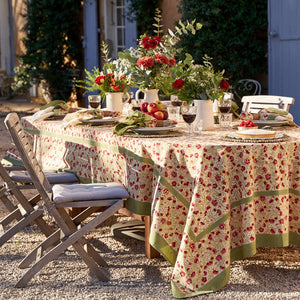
(212, 286)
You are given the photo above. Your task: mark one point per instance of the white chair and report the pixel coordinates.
(245, 87)
(255, 103)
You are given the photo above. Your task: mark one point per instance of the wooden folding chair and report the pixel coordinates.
(71, 231)
(254, 104)
(22, 212)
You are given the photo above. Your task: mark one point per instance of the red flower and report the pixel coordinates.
(153, 43)
(146, 62)
(172, 61)
(160, 58)
(178, 84)
(156, 37)
(224, 85)
(99, 80)
(145, 42)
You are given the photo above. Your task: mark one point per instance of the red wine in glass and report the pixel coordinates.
(224, 109)
(176, 103)
(189, 118)
(94, 104)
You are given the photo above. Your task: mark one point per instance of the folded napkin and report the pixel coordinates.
(43, 114)
(275, 114)
(77, 117)
(136, 119)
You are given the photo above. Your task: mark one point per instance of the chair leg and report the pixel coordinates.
(73, 240)
(54, 239)
(20, 225)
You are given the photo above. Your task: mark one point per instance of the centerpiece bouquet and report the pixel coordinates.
(201, 81)
(107, 80)
(150, 65)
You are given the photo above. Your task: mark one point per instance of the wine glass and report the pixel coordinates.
(188, 113)
(224, 106)
(94, 101)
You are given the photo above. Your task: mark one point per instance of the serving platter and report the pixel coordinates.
(279, 137)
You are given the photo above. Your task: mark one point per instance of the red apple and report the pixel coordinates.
(152, 107)
(159, 115)
(144, 106)
(166, 115)
(160, 105)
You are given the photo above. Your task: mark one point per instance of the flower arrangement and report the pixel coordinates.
(150, 64)
(109, 80)
(199, 81)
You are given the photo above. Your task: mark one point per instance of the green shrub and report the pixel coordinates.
(52, 42)
(234, 34)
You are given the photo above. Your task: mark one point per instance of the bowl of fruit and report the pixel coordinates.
(159, 113)
(247, 124)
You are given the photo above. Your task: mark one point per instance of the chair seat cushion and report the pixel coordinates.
(52, 176)
(92, 191)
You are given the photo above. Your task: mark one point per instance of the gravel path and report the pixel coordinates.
(273, 273)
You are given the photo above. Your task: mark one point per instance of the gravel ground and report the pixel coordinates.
(273, 273)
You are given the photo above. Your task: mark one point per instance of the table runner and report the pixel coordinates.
(211, 201)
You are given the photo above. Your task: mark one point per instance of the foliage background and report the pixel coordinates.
(234, 33)
(52, 42)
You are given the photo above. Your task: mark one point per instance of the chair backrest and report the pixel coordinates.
(246, 87)
(254, 104)
(32, 166)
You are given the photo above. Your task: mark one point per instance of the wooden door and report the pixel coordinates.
(284, 51)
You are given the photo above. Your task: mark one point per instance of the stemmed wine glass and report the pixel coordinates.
(189, 115)
(224, 106)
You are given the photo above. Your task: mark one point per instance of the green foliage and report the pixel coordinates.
(52, 42)
(234, 34)
(142, 11)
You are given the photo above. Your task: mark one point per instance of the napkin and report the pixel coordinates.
(79, 116)
(43, 114)
(275, 114)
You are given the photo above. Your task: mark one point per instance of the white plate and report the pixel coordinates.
(269, 123)
(105, 120)
(153, 129)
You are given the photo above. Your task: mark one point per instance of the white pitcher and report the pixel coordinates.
(149, 95)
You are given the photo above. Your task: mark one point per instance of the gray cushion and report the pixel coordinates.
(52, 176)
(91, 191)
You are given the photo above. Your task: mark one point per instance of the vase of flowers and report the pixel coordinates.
(150, 65)
(149, 95)
(202, 85)
(109, 82)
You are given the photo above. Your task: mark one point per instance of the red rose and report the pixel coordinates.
(146, 62)
(145, 42)
(224, 85)
(153, 43)
(157, 38)
(161, 59)
(172, 61)
(99, 80)
(178, 84)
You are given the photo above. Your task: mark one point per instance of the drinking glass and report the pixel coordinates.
(189, 115)
(224, 106)
(94, 101)
(175, 101)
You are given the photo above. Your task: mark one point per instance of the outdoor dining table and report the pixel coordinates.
(211, 201)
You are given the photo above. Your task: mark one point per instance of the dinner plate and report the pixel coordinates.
(153, 130)
(103, 121)
(273, 123)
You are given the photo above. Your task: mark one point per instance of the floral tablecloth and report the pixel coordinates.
(211, 201)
